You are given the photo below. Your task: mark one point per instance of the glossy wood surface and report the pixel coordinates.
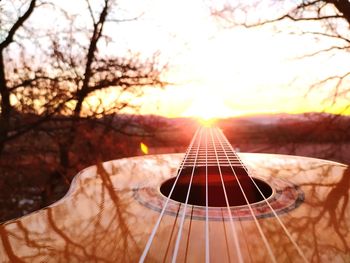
(101, 220)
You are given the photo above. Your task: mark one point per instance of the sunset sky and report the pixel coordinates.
(222, 72)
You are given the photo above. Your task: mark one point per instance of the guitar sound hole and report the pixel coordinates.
(216, 193)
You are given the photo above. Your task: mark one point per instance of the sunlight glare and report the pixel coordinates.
(207, 122)
(209, 105)
(144, 148)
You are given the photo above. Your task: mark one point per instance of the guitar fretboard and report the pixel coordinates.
(210, 147)
(211, 173)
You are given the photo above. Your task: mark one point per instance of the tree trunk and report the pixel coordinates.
(6, 107)
(343, 6)
(83, 92)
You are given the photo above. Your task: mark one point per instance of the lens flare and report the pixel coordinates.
(144, 148)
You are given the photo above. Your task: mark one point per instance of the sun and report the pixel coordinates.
(209, 106)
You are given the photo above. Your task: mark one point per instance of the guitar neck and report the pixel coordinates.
(209, 147)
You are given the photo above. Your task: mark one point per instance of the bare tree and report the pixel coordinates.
(56, 83)
(7, 38)
(327, 22)
(324, 19)
(56, 90)
(81, 71)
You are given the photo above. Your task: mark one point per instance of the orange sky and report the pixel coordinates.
(222, 72)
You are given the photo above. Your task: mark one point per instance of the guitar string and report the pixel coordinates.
(179, 233)
(271, 208)
(245, 235)
(233, 228)
(300, 252)
(239, 160)
(207, 254)
(267, 245)
(156, 226)
(188, 236)
(171, 234)
(227, 246)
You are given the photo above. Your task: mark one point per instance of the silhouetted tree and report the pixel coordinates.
(54, 84)
(324, 19)
(53, 88)
(9, 27)
(86, 70)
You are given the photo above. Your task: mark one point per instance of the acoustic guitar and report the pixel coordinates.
(210, 204)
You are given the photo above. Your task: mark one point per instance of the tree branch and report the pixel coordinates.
(8, 40)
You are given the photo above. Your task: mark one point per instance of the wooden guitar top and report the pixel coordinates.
(111, 209)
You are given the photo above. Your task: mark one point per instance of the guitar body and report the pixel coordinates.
(111, 210)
